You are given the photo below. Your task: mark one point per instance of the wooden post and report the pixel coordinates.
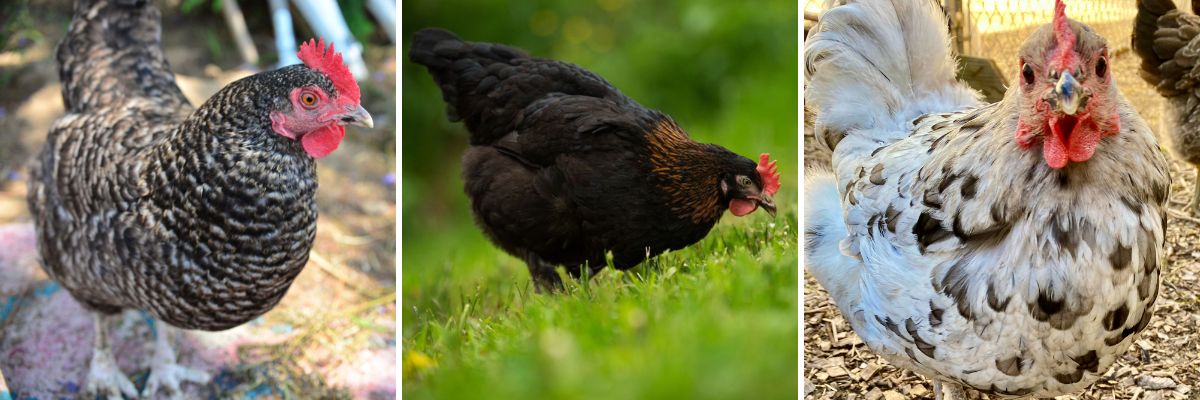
(237, 24)
(953, 15)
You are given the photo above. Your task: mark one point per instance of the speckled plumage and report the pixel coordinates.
(202, 217)
(953, 250)
(563, 168)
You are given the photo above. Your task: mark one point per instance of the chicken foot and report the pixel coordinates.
(164, 371)
(545, 277)
(105, 379)
(948, 391)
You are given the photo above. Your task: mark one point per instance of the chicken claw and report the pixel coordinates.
(104, 378)
(165, 372)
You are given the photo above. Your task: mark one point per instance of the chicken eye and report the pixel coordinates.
(308, 99)
(1101, 67)
(744, 181)
(1027, 74)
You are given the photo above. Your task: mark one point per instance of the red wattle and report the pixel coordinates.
(321, 142)
(1053, 148)
(1070, 139)
(741, 207)
(1084, 141)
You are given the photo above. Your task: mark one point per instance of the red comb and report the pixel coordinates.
(315, 56)
(1065, 38)
(769, 174)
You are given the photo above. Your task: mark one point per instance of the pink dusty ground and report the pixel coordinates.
(46, 337)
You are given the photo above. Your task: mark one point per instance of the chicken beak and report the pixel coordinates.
(768, 204)
(1071, 96)
(359, 117)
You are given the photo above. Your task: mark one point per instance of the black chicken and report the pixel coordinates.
(563, 168)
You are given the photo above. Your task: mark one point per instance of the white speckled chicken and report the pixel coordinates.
(1013, 247)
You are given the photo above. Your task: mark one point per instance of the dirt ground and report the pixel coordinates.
(1164, 363)
(332, 336)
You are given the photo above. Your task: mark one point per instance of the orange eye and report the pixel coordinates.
(308, 99)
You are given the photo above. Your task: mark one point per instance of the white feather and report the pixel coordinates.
(871, 66)
(825, 229)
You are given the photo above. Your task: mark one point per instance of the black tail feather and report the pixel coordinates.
(1145, 24)
(489, 87)
(449, 59)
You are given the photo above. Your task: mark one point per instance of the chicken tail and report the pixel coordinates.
(492, 88)
(460, 69)
(871, 66)
(824, 229)
(1157, 36)
(112, 52)
(436, 49)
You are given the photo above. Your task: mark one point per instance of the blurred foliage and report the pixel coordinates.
(723, 311)
(214, 43)
(16, 27)
(360, 22)
(187, 6)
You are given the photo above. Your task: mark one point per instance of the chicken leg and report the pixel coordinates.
(1195, 204)
(105, 379)
(545, 277)
(164, 371)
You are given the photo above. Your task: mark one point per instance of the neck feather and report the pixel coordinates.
(687, 172)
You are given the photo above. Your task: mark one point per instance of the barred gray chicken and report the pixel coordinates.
(1013, 247)
(200, 217)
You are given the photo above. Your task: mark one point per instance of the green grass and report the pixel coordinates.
(714, 321)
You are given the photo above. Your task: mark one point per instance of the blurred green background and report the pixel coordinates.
(726, 71)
